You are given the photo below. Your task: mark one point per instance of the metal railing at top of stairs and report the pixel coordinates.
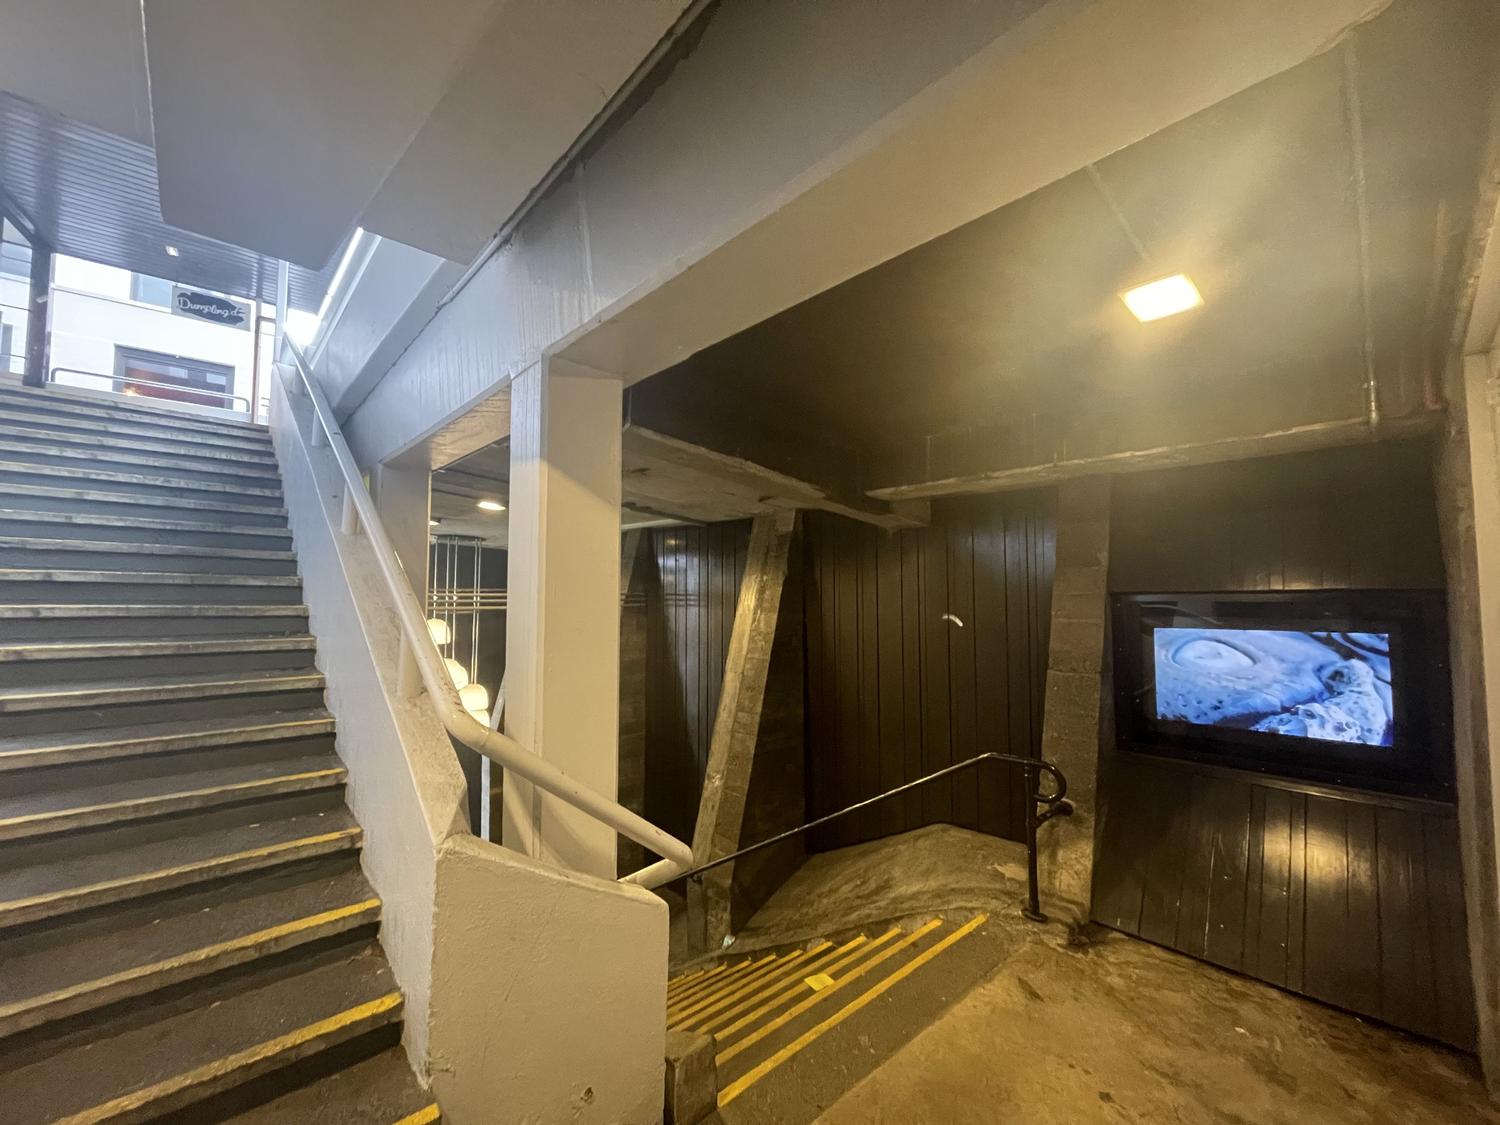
(421, 664)
(1040, 808)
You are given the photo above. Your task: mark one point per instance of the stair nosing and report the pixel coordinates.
(140, 480)
(71, 696)
(125, 547)
(253, 1062)
(195, 450)
(48, 492)
(98, 404)
(193, 735)
(107, 814)
(140, 523)
(22, 611)
(83, 649)
(114, 455)
(143, 577)
(143, 980)
(108, 892)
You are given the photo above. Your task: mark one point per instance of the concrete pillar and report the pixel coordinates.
(1075, 662)
(1468, 479)
(563, 620)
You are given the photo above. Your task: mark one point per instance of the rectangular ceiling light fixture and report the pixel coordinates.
(1164, 297)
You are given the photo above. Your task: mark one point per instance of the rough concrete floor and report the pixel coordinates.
(1120, 1031)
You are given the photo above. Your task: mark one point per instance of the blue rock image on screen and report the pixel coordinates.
(1333, 686)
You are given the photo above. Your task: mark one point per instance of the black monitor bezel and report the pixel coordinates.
(1418, 764)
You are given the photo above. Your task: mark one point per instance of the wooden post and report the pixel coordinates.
(721, 809)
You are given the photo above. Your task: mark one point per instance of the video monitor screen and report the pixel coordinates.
(1333, 686)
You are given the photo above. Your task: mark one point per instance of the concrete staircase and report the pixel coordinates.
(185, 933)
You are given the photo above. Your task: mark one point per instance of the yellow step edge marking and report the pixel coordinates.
(422, 1116)
(719, 973)
(776, 977)
(241, 1060)
(747, 970)
(853, 974)
(678, 981)
(800, 988)
(148, 878)
(740, 1085)
(160, 798)
(735, 973)
(818, 962)
(767, 971)
(184, 961)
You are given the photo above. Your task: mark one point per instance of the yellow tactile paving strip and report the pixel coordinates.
(742, 1005)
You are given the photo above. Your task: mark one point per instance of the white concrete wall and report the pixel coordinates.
(549, 993)
(386, 296)
(405, 786)
(533, 995)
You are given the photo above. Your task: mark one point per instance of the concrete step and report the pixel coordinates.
(379, 1090)
(121, 409)
(127, 528)
(26, 586)
(26, 497)
(136, 699)
(33, 552)
(115, 459)
(58, 663)
(167, 646)
(155, 739)
(186, 451)
(242, 1029)
(39, 884)
(128, 622)
(153, 485)
(63, 971)
(94, 424)
(65, 809)
(159, 689)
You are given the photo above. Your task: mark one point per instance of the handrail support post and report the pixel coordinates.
(408, 675)
(349, 519)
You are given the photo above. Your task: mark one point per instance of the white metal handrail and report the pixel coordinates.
(421, 664)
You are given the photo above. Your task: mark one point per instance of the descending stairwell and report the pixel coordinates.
(185, 932)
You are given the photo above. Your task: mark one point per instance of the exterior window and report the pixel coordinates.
(174, 377)
(151, 290)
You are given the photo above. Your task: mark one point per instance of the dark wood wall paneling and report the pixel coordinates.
(692, 590)
(896, 689)
(1353, 898)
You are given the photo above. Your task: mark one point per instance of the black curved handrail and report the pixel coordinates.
(1041, 808)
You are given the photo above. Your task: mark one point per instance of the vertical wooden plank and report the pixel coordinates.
(868, 586)
(891, 696)
(1224, 932)
(911, 671)
(1024, 727)
(1198, 860)
(961, 656)
(1266, 955)
(1296, 926)
(990, 715)
(1453, 987)
(1406, 971)
(851, 783)
(937, 798)
(1255, 878)
(1164, 843)
(1326, 973)
(1361, 955)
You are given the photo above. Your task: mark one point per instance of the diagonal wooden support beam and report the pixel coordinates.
(721, 809)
